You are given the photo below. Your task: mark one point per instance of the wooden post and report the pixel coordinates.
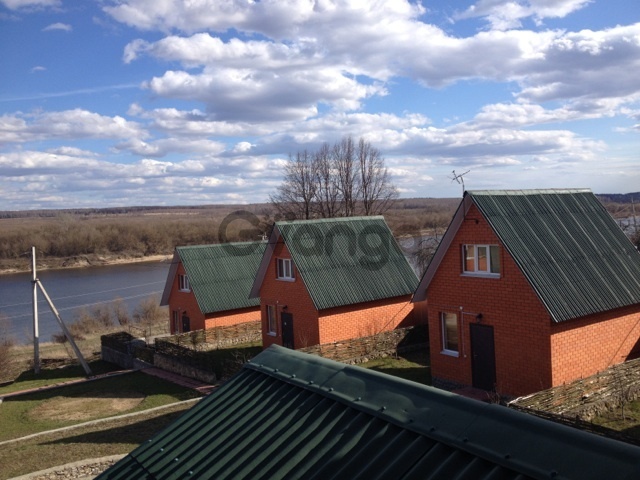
(36, 334)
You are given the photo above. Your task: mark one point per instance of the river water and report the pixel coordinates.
(73, 290)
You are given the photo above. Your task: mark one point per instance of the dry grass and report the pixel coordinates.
(118, 436)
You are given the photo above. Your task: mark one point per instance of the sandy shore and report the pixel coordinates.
(81, 261)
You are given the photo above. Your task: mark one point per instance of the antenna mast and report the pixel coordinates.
(460, 179)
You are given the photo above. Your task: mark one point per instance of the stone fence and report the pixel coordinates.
(208, 355)
(361, 350)
(588, 397)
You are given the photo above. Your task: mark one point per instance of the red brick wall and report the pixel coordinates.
(590, 344)
(362, 320)
(313, 328)
(181, 301)
(521, 323)
(232, 317)
(295, 296)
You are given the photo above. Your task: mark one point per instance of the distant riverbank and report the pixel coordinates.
(80, 261)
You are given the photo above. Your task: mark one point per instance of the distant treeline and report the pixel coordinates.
(145, 231)
(620, 197)
(89, 212)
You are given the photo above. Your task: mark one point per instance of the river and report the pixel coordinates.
(73, 290)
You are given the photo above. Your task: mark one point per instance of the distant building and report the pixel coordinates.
(292, 415)
(322, 281)
(530, 289)
(208, 286)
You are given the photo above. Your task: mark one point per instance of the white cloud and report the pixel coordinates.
(19, 4)
(68, 124)
(505, 14)
(38, 68)
(58, 26)
(163, 147)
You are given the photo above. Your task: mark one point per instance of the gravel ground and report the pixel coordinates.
(85, 469)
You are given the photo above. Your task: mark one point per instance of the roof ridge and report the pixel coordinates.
(533, 191)
(329, 220)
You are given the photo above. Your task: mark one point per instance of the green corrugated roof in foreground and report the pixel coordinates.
(221, 275)
(568, 246)
(344, 261)
(292, 415)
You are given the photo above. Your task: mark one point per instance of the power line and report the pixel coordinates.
(90, 304)
(85, 294)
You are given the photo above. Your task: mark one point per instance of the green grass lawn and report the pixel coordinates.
(49, 409)
(54, 374)
(628, 425)
(113, 437)
(412, 366)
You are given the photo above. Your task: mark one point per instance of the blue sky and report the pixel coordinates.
(165, 102)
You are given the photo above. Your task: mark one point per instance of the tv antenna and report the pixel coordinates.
(460, 179)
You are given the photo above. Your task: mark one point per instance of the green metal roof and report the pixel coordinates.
(344, 261)
(220, 275)
(292, 415)
(570, 249)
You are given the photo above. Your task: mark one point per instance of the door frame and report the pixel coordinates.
(483, 356)
(286, 325)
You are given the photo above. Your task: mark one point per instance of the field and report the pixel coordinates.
(96, 237)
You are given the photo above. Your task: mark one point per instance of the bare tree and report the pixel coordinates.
(327, 193)
(344, 159)
(295, 196)
(376, 190)
(342, 180)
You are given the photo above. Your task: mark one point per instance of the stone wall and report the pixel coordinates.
(588, 397)
(177, 365)
(360, 350)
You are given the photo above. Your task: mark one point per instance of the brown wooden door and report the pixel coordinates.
(483, 357)
(287, 329)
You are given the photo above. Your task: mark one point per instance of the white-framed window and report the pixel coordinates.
(284, 268)
(271, 319)
(183, 283)
(449, 325)
(481, 260)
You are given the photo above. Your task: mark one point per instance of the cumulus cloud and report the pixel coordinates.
(20, 4)
(58, 26)
(505, 14)
(69, 124)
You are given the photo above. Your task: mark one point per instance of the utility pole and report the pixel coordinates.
(635, 223)
(37, 284)
(36, 334)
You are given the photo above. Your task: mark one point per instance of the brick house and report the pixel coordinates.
(208, 286)
(529, 290)
(322, 281)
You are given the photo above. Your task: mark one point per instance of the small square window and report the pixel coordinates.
(481, 260)
(449, 333)
(284, 269)
(183, 283)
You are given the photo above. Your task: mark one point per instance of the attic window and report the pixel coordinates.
(183, 283)
(481, 260)
(284, 269)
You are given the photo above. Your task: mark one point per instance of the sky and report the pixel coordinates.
(109, 103)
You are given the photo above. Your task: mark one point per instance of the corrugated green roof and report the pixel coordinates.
(344, 261)
(292, 415)
(221, 275)
(570, 249)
